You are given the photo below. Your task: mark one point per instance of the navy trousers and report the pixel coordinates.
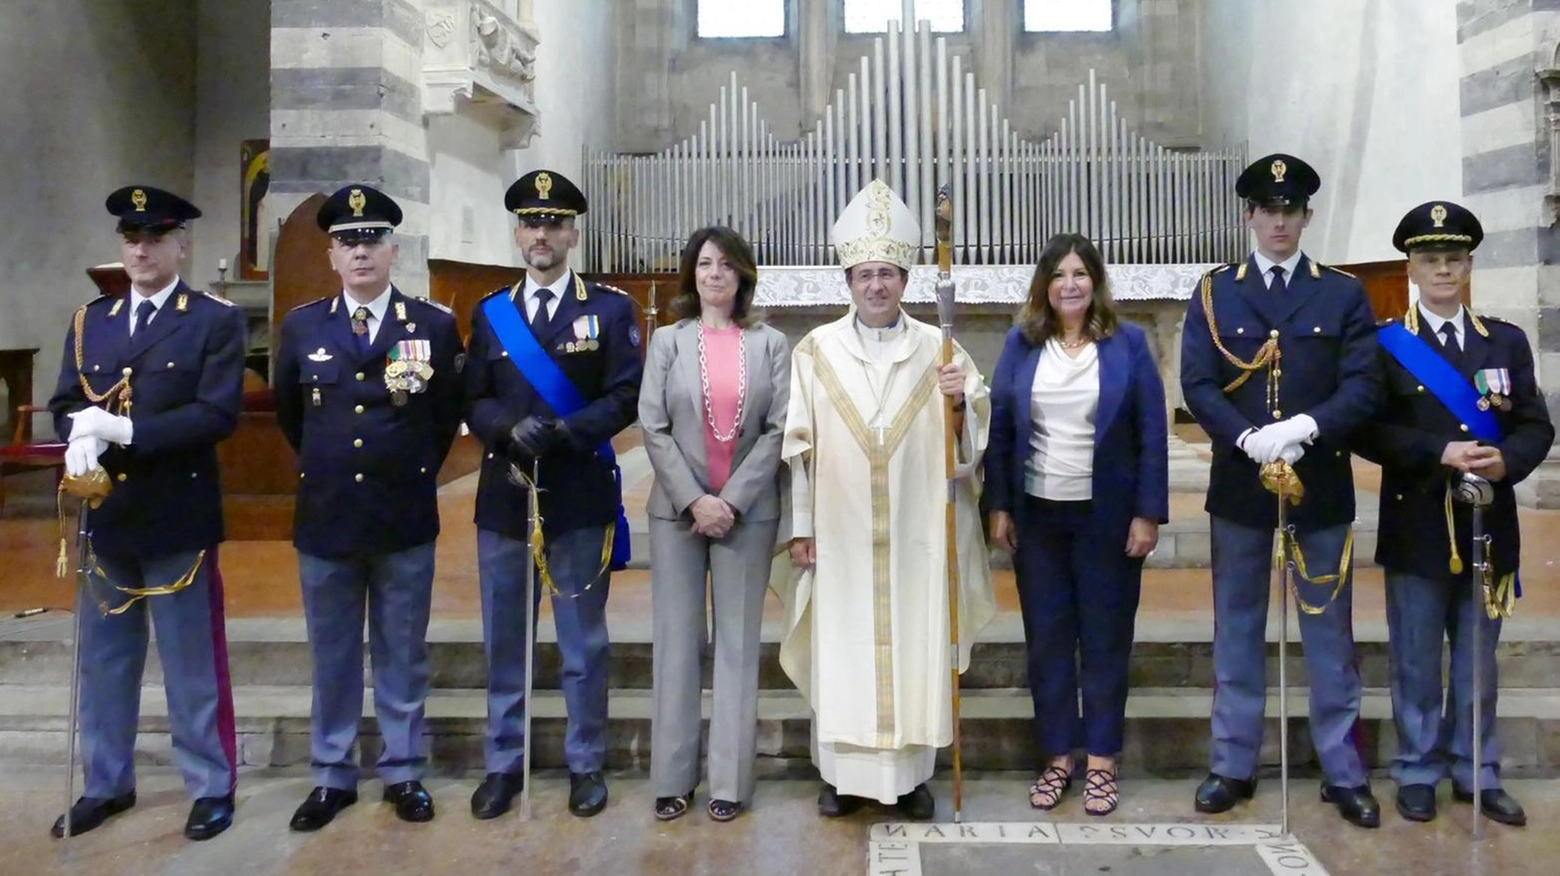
(395, 590)
(579, 615)
(192, 644)
(1432, 744)
(1242, 580)
(1078, 591)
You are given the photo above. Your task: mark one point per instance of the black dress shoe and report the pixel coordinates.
(1220, 793)
(412, 802)
(833, 804)
(1416, 802)
(1495, 804)
(209, 817)
(493, 796)
(1357, 805)
(320, 808)
(89, 812)
(919, 804)
(587, 793)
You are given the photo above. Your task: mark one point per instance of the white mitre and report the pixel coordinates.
(877, 227)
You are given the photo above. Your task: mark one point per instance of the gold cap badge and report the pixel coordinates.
(357, 202)
(138, 198)
(1438, 215)
(1279, 168)
(544, 185)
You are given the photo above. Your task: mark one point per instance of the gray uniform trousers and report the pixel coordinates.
(1242, 576)
(396, 590)
(192, 645)
(738, 571)
(1433, 743)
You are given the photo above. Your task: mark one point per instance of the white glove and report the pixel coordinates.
(102, 424)
(1292, 453)
(1263, 445)
(1299, 429)
(81, 455)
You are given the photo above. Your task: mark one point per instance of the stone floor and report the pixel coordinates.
(780, 835)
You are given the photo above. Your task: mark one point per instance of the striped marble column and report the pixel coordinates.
(346, 106)
(1508, 176)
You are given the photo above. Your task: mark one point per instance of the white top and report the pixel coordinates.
(1062, 404)
(1435, 322)
(1265, 265)
(376, 309)
(157, 300)
(558, 288)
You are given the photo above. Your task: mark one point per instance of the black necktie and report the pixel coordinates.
(1277, 287)
(1449, 339)
(539, 319)
(143, 315)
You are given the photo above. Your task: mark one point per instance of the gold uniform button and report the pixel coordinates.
(194, 474)
(1273, 333)
(1317, 330)
(423, 470)
(128, 371)
(1241, 330)
(122, 477)
(300, 475)
(1419, 388)
(357, 442)
(360, 375)
(1398, 497)
(94, 368)
(504, 354)
(1463, 426)
(490, 456)
(358, 477)
(358, 409)
(170, 364)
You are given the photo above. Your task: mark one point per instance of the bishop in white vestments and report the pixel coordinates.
(867, 605)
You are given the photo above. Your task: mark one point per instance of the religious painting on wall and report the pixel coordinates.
(254, 250)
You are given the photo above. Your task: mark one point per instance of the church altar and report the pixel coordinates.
(797, 298)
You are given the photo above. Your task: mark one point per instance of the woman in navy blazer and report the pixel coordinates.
(1077, 476)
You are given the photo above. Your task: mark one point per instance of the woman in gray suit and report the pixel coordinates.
(712, 409)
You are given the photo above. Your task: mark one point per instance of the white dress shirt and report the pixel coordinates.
(1265, 265)
(157, 300)
(559, 287)
(1435, 323)
(376, 310)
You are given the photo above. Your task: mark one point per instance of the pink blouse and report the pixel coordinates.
(723, 359)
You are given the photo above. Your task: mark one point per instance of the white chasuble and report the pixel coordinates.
(866, 636)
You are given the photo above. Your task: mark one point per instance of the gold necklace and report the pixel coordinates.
(1082, 339)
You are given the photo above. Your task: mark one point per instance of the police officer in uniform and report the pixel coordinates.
(1278, 361)
(1460, 396)
(150, 383)
(368, 393)
(560, 330)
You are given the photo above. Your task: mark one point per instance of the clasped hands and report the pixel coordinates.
(713, 516)
(1284, 440)
(1480, 459)
(534, 436)
(92, 429)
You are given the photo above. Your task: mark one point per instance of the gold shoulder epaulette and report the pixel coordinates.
(1340, 271)
(219, 299)
(434, 304)
(612, 289)
(1222, 268)
(312, 303)
(1500, 319)
(502, 290)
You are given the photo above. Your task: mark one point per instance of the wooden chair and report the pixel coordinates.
(23, 454)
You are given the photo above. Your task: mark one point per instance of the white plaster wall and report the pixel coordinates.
(575, 66)
(1363, 90)
(232, 104)
(98, 94)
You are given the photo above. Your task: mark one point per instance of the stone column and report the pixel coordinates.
(346, 106)
(1510, 180)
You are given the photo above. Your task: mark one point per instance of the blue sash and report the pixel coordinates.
(1438, 376)
(554, 387)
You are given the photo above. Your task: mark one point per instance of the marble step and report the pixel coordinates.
(459, 666)
(1167, 730)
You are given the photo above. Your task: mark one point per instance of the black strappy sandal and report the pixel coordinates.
(1046, 793)
(1100, 787)
(671, 808)
(724, 810)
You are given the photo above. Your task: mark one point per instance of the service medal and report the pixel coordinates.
(398, 397)
(1484, 404)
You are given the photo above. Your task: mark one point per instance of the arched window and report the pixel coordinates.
(872, 16)
(749, 18)
(1051, 16)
